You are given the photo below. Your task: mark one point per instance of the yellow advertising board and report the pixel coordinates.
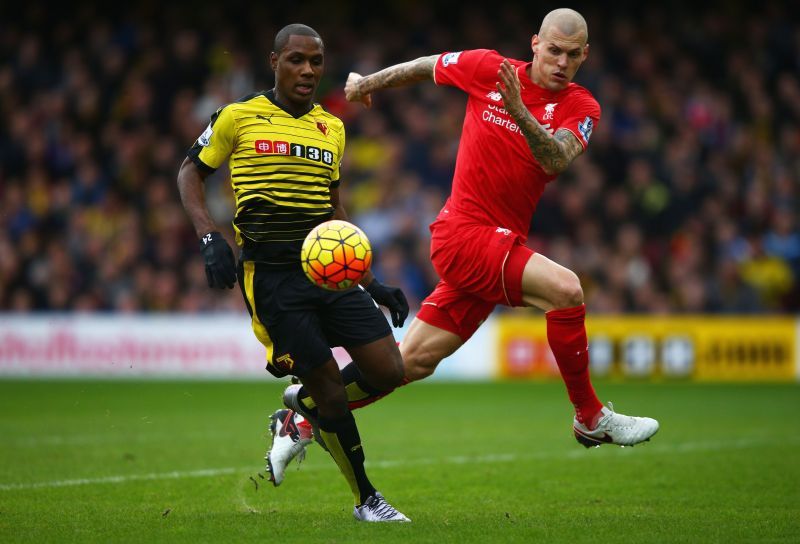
(706, 348)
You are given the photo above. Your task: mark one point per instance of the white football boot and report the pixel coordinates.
(614, 428)
(376, 508)
(291, 433)
(291, 399)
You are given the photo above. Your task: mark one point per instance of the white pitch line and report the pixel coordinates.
(452, 460)
(577, 453)
(174, 475)
(104, 438)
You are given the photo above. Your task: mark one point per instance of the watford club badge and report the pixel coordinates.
(323, 127)
(284, 362)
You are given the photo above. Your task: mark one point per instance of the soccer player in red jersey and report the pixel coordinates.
(525, 123)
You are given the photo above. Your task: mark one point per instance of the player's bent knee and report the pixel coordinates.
(569, 292)
(331, 400)
(385, 372)
(333, 407)
(416, 373)
(392, 374)
(419, 365)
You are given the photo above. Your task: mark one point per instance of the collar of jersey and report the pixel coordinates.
(270, 94)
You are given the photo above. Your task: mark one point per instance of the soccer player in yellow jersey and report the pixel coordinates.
(284, 152)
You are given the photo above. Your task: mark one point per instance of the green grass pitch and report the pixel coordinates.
(174, 461)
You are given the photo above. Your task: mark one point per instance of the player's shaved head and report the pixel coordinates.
(567, 22)
(295, 29)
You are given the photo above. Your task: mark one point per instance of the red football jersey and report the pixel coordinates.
(497, 180)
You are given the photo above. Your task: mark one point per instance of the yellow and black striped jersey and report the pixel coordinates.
(282, 169)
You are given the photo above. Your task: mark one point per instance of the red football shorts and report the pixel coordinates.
(480, 266)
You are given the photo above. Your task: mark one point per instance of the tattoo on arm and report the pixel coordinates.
(553, 152)
(399, 75)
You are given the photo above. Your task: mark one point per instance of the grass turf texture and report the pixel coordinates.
(180, 462)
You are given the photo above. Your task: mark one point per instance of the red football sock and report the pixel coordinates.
(566, 333)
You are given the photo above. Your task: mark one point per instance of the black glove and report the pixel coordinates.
(391, 297)
(220, 264)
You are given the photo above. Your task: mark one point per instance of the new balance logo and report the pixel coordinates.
(494, 95)
(503, 231)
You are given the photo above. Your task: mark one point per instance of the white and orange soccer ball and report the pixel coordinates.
(336, 255)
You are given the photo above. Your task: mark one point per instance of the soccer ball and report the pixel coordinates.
(336, 255)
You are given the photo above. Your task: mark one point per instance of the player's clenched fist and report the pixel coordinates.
(352, 92)
(220, 263)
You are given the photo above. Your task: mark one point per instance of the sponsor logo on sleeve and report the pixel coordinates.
(450, 58)
(585, 128)
(205, 137)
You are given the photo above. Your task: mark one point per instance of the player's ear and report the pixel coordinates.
(273, 60)
(535, 43)
(585, 52)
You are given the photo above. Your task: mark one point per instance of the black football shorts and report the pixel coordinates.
(299, 322)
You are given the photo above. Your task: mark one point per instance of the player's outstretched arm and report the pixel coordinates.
(218, 256)
(554, 152)
(358, 87)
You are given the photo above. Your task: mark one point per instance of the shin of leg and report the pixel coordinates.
(566, 334)
(557, 290)
(344, 445)
(338, 427)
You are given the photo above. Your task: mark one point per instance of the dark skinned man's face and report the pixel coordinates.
(298, 69)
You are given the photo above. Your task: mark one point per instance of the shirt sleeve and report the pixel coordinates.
(583, 116)
(215, 144)
(457, 69)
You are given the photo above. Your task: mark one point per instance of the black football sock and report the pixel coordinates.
(307, 402)
(344, 444)
(359, 392)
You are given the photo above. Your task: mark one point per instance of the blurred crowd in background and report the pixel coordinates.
(686, 201)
